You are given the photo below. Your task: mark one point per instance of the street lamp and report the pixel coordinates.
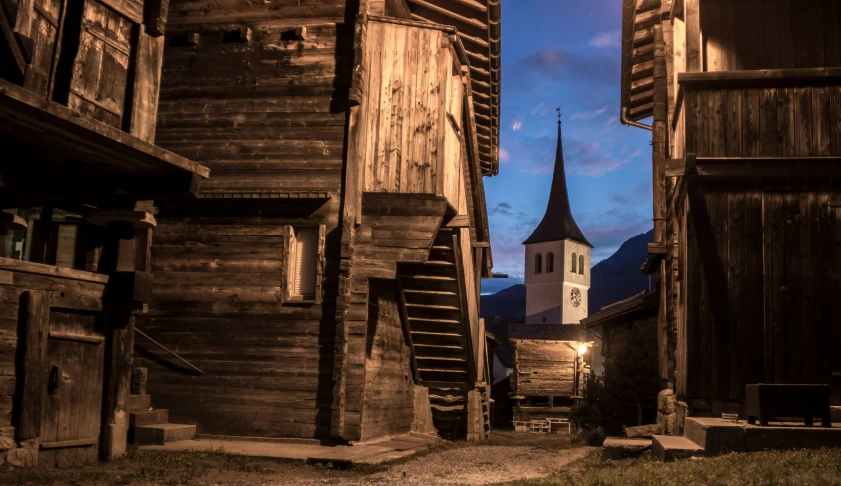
(582, 348)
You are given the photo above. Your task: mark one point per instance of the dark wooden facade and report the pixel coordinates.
(78, 103)
(368, 122)
(548, 368)
(747, 120)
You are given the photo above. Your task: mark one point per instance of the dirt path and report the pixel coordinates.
(478, 465)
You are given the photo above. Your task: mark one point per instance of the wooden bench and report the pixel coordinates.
(560, 421)
(776, 401)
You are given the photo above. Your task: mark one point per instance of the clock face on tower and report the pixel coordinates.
(575, 297)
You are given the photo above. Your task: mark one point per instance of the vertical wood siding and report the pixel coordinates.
(749, 122)
(770, 34)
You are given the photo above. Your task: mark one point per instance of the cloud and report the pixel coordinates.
(502, 208)
(607, 230)
(539, 109)
(504, 156)
(586, 157)
(563, 64)
(517, 126)
(636, 197)
(588, 115)
(606, 39)
(636, 153)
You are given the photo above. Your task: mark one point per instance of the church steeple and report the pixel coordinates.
(558, 223)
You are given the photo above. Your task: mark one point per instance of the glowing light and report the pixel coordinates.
(582, 348)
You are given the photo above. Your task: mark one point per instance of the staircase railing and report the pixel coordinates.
(173, 353)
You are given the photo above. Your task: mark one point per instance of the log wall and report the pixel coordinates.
(543, 368)
(388, 398)
(264, 114)
(218, 303)
(770, 34)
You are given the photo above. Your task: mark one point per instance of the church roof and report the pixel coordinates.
(558, 223)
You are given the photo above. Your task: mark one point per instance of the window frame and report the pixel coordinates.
(550, 262)
(538, 263)
(288, 269)
(574, 262)
(581, 264)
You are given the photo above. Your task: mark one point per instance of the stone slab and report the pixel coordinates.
(716, 436)
(668, 448)
(621, 447)
(643, 431)
(139, 418)
(720, 436)
(139, 402)
(163, 433)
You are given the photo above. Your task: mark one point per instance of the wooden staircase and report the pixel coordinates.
(435, 312)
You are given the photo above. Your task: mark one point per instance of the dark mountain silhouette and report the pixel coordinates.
(612, 279)
(618, 277)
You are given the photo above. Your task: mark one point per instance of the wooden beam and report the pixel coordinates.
(740, 167)
(761, 77)
(692, 14)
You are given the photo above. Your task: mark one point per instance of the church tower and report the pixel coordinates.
(557, 259)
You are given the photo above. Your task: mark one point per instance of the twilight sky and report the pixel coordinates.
(565, 53)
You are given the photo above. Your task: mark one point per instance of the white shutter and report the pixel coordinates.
(305, 257)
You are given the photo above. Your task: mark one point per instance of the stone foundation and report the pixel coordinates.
(422, 420)
(475, 418)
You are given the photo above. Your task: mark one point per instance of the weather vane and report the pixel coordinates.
(558, 109)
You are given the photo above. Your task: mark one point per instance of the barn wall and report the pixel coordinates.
(265, 111)
(761, 287)
(770, 34)
(543, 368)
(262, 114)
(267, 367)
(764, 122)
(388, 398)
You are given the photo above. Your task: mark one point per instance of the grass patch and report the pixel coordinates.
(821, 466)
(141, 467)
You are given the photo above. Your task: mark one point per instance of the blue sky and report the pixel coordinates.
(565, 53)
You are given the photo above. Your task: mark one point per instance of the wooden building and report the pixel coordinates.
(613, 324)
(550, 361)
(78, 100)
(326, 279)
(745, 98)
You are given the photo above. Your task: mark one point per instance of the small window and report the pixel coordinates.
(574, 261)
(581, 264)
(550, 262)
(303, 255)
(538, 263)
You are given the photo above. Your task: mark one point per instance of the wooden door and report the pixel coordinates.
(100, 71)
(73, 354)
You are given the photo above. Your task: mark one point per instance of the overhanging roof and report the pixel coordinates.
(548, 332)
(640, 305)
(48, 143)
(638, 20)
(479, 26)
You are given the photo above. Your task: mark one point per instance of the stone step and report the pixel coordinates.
(163, 433)
(622, 447)
(668, 448)
(148, 417)
(139, 402)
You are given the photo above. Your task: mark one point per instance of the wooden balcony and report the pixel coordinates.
(766, 123)
(417, 112)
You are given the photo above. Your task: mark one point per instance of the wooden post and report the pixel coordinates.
(694, 51)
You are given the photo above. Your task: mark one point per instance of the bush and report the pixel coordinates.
(627, 394)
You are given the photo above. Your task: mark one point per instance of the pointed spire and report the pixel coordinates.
(558, 223)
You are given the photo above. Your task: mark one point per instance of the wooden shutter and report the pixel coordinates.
(306, 256)
(100, 71)
(44, 30)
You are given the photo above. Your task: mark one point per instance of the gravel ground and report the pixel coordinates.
(477, 465)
